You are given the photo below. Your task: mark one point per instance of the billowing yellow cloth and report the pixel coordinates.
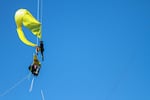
(24, 18)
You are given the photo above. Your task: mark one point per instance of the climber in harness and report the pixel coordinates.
(35, 66)
(40, 49)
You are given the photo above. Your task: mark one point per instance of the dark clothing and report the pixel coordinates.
(42, 49)
(34, 69)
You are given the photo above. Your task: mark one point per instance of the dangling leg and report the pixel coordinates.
(42, 49)
(42, 56)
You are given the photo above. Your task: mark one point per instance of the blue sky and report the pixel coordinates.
(94, 50)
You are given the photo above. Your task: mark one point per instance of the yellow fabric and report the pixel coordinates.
(36, 61)
(24, 17)
(24, 40)
(35, 57)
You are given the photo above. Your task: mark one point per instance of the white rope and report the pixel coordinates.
(38, 17)
(42, 95)
(31, 86)
(14, 86)
(38, 9)
(39, 14)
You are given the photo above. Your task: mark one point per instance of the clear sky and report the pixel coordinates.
(94, 50)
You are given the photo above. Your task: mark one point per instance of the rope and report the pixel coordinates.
(38, 9)
(14, 86)
(39, 14)
(31, 86)
(42, 94)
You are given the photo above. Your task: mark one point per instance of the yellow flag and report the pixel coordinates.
(24, 18)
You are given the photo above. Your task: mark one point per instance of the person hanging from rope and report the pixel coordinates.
(40, 49)
(35, 66)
